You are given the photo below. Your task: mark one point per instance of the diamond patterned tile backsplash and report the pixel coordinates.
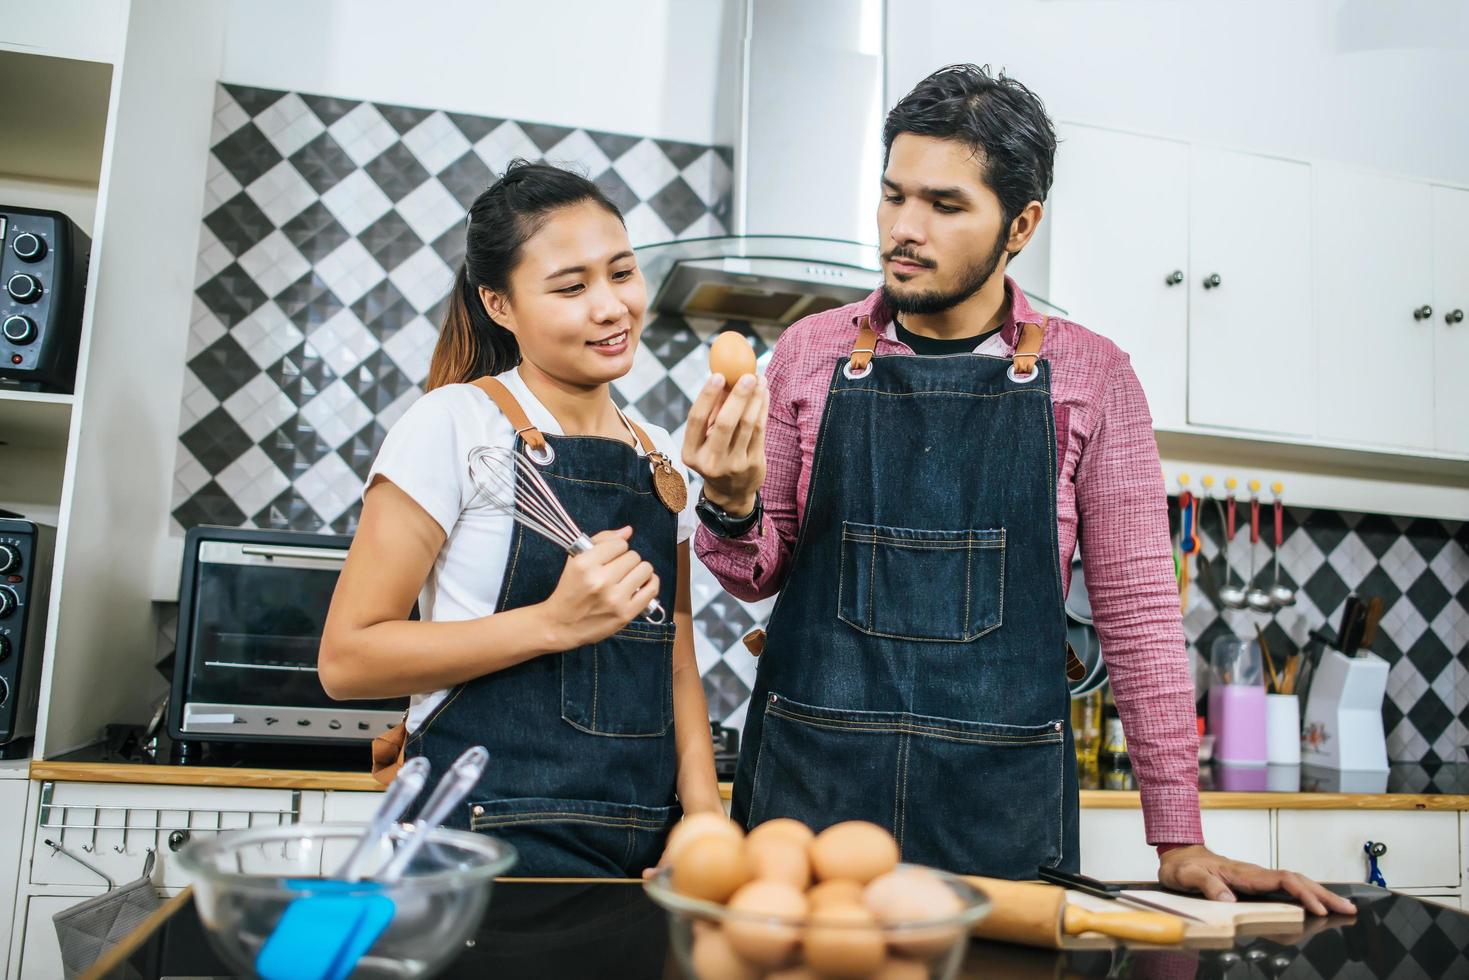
(330, 231)
(1419, 567)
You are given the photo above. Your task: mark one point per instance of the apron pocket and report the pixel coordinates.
(966, 796)
(623, 685)
(576, 837)
(907, 584)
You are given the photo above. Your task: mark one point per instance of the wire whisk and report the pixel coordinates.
(510, 484)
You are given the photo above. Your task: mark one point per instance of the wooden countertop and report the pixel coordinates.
(102, 772)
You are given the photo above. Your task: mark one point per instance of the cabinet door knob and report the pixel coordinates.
(1174, 278)
(1454, 316)
(1423, 312)
(1213, 282)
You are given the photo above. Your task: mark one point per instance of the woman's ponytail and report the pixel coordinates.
(501, 220)
(471, 345)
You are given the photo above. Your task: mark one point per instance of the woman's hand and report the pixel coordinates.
(724, 441)
(600, 592)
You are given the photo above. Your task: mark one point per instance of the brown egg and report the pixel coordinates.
(766, 943)
(779, 859)
(710, 867)
(897, 968)
(795, 973)
(840, 891)
(715, 959)
(855, 849)
(844, 942)
(732, 356)
(698, 825)
(914, 895)
(784, 828)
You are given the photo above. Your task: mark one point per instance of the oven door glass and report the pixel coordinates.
(257, 623)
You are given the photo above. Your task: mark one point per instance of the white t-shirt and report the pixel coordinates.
(426, 455)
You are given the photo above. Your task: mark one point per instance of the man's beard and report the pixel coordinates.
(933, 301)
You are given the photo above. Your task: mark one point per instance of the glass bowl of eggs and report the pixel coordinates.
(783, 903)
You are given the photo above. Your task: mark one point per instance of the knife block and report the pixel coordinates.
(1343, 728)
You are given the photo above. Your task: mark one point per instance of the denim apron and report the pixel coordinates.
(581, 777)
(914, 670)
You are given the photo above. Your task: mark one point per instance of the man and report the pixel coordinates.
(934, 452)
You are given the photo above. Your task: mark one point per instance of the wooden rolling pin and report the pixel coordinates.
(1037, 915)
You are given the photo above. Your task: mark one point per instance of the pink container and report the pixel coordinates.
(1237, 718)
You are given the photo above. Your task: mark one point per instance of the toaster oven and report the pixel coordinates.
(252, 604)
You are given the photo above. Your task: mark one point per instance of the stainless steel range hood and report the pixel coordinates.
(807, 162)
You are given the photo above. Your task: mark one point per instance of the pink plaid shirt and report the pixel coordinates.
(1109, 490)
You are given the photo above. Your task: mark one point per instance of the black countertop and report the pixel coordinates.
(607, 930)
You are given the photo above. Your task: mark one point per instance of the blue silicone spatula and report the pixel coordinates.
(314, 930)
(343, 937)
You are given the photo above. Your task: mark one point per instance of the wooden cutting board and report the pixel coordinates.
(1222, 920)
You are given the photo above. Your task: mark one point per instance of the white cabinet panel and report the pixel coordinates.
(40, 954)
(1113, 847)
(1422, 847)
(91, 30)
(1251, 342)
(1450, 319)
(1373, 270)
(342, 806)
(12, 815)
(1119, 229)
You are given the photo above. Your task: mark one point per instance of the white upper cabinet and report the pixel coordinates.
(1119, 252)
(1450, 319)
(1250, 342)
(1375, 309)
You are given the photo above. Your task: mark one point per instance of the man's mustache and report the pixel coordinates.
(907, 256)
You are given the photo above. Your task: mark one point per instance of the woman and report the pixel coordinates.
(595, 718)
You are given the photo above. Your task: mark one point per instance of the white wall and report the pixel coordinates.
(1374, 83)
(649, 67)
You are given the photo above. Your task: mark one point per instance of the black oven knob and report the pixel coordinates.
(8, 601)
(4, 692)
(9, 558)
(29, 246)
(4, 648)
(19, 329)
(24, 287)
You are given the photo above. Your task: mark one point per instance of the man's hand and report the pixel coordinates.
(1195, 868)
(725, 441)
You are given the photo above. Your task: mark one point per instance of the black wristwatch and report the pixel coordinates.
(722, 523)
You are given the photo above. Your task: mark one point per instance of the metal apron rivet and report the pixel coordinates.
(1022, 379)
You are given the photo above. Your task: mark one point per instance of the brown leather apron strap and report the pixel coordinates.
(511, 409)
(1028, 349)
(865, 346)
(648, 448)
(1075, 669)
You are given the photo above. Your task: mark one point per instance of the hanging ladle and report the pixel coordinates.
(1280, 595)
(1230, 595)
(1255, 597)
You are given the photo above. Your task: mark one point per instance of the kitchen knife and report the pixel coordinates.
(1100, 889)
(1348, 614)
(1374, 616)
